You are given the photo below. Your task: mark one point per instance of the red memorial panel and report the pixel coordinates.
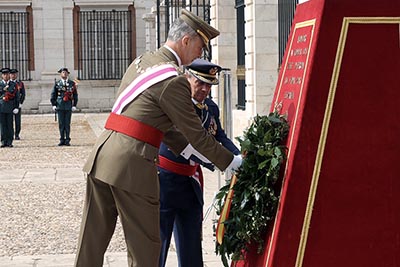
(339, 87)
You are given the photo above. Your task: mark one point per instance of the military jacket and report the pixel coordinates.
(64, 95)
(21, 89)
(209, 116)
(9, 96)
(129, 163)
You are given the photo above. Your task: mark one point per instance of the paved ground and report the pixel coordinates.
(42, 189)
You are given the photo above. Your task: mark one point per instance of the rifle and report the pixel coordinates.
(56, 93)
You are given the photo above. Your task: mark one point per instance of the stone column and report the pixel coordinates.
(264, 53)
(53, 43)
(161, 27)
(143, 14)
(224, 53)
(150, 21)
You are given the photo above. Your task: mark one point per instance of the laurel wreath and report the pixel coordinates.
(256, 191)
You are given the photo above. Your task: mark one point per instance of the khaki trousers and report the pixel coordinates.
(139, 216)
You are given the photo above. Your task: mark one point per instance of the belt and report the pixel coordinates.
(175, 167)
(135, 129)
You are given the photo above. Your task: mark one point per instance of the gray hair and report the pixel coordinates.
(179, 29)
(188, 73)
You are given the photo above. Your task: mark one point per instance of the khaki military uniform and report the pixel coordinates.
(122, 172)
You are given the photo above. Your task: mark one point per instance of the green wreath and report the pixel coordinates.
(256, 191)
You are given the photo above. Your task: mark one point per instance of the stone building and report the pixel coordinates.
(97, 40)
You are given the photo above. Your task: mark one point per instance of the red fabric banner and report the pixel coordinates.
(339, 87)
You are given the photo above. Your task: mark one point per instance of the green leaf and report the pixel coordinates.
(263, 164)
(274, 162)
(261, 152)
(277, 151)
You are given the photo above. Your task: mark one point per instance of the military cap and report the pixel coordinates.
(203, 29)
(63, 69)
(13, 71)
(204, 71)
(5, 70)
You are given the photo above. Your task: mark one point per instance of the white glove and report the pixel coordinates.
(15, 111)
(234, 165)
(20, 105)
(73, 108)
(54, 108)
(189, 150)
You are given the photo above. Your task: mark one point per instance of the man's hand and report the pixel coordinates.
(54, 108)
(15, 111)
(73, 108)
(234, 165)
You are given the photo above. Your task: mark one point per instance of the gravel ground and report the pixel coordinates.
(39, 218)
(38, 145)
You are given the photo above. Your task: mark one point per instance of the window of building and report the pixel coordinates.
(286, 10)
(241, 54)
(16, 42)
(103, 43)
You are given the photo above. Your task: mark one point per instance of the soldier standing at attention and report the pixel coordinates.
(153, 105)
(9, 101)
(64, 98)
(21, 90)
(181, 183)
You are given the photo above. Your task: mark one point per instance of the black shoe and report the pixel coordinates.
(61, 144)
(3, 145)
(10, 146)
(17, 138)
(67, 144)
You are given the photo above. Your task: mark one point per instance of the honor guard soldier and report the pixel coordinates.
(64, 98)
(21, 90)
(9, 102)
(153, 104)
(181, 183)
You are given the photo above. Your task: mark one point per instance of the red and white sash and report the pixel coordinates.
(141, 83)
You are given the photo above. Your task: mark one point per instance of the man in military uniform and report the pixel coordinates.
(9, 102)
(153, 105)
(21, 90)
(64, 98)
(181, 183)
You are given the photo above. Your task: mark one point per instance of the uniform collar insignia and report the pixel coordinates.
(202, 106)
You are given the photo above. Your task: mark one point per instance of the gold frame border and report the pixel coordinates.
(297, 26)
(327, 116)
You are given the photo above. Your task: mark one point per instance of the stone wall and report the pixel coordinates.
(261, 66)
(93, 96)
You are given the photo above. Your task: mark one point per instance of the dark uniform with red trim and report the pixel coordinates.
(122, 172)
(21, 90)
(64, 97)
(9, 101)
(181, 192)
